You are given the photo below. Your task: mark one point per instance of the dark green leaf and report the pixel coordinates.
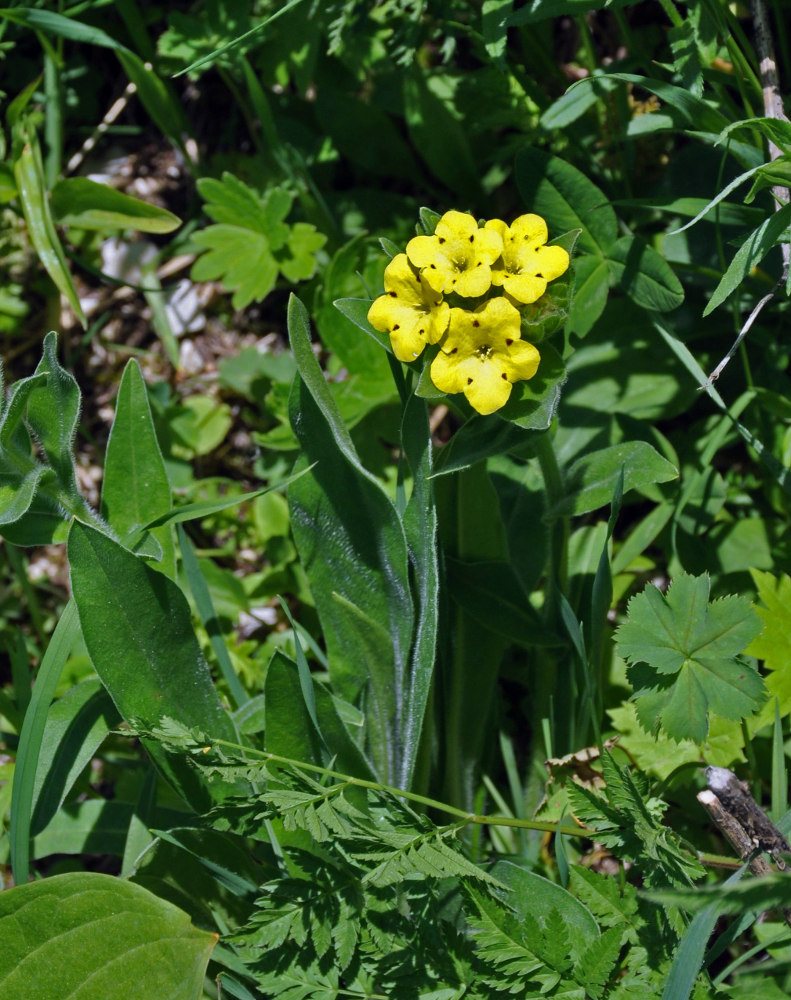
(640, 272)
(353, 548)
(135, 488)
(565, 197)
(289, 730)
(440, 139)
(137, 627)
(29, 176)
(76, 726)
(592, 478)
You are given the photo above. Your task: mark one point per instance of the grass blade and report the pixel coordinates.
(200, 592)
(66, 631)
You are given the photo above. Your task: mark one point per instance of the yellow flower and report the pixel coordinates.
(527, 264)
(410, 311)
(458, 257)
(482, 355)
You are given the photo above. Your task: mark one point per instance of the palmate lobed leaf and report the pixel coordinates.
(250, 243)
(240, 258)
(773, 643)
(682, 651)
(233, 202)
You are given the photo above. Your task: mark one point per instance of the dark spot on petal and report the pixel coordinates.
(441, 239)
(505, 376)
(396, 326)
(454, 350)
(475, 322)
(539, 275)
(472, 238)
(469, 381)
(479, 264)
(508, 341)
(433, 267)
(393, 295)
(421, 330)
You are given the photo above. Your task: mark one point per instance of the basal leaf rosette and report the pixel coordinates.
(482, 355)
(410, 310)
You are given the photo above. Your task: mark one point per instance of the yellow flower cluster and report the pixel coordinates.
(481, 351)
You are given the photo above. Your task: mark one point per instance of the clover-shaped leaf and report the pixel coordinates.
(683, 651)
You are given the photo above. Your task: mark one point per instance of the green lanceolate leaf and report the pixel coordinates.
(354, 551)
(289, 730)
(137, 628)
(77, 201)
(683, 655)
(420, 528)
(752, 251)
(29, 176)
(591, 480)
(76, 725)
(135, 489)
(53, 410)
(86, 936)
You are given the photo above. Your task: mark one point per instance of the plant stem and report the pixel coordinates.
(463, 815)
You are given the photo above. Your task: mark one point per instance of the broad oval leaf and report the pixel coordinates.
(642, 274)
(87, 936)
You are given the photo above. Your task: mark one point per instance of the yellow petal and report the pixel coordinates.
(422, 250)
(521, 362)
(529, 230)
(477, 281)
(407, 343)
(499, 227)
(401, 279)
(456, 225)
(525, 288)
(446, 374)
(487, 391)
(552, 261)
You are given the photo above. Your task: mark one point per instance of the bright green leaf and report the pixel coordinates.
(753, 250)
(77, 201)
(86, 936)
(774, 642)
(682, 652)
